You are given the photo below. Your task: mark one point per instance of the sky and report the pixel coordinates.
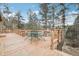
(24, 7)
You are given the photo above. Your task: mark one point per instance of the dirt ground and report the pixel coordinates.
(71, 50)
(16, 45)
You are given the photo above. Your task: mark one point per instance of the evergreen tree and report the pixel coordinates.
(32, 24)
(44, 13)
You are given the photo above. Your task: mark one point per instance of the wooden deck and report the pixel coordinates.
(15, 45)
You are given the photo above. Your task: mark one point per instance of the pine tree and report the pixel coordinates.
(0, 17)
(32, 24)
(44, 14)
(52, 17)
(62, 12)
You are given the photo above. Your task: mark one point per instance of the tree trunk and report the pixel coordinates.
(51, 46)
(60, 44)
(45, 33)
